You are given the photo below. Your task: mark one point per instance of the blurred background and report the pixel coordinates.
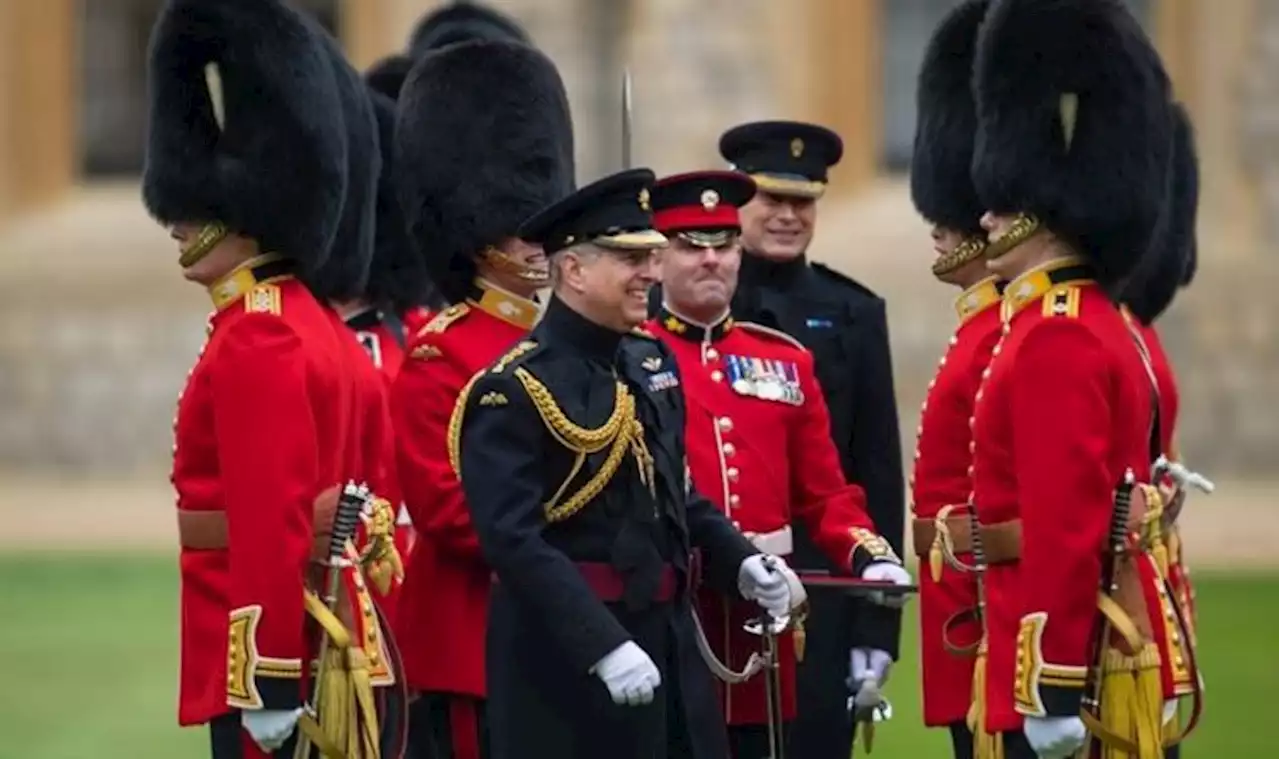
(97, 330)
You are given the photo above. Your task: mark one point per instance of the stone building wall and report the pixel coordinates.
(97, 331)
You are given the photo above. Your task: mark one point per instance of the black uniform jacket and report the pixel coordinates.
(550, 524)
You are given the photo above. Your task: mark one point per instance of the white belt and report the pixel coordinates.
(402, 517)
(776, 543)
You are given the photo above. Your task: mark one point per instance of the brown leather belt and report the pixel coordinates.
(1001, 541)
(923, 532)
(207, 530)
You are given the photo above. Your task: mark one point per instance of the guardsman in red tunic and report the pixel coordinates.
(1170, 265)
(1070, 144)
(757, 432)
(244, 166)
(941, 188)
(469, 179)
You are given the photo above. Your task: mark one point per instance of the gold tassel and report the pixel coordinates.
(798, 637)
(1174, 541)
(985, 745)
(935, 559)
(381, 559)
(1132, 702)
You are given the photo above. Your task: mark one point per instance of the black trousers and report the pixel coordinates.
(752, 741)
(228, 740)
(433, 720)
(961, 740)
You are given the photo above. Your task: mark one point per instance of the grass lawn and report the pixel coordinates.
(89, 664)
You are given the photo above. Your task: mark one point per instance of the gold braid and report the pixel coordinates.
(622, 429)
(622, 432)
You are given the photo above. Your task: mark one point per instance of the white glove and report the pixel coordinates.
(887, 571)
(765, 583)
(1170, 711)
(869, 663)
(1054, 737)
(270, 728)
(629, 674)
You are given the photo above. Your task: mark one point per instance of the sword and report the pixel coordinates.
(626, 118)
(769, 627)
(351, 503)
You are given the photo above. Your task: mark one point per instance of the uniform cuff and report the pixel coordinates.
(1041, 688)
(255, 681)
(869, 547)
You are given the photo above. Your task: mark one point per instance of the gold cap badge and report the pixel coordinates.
(644, 198)
(797, 147)
(710, 199)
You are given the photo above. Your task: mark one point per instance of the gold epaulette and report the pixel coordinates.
(263, 299)
(521, 348)
(445, 319)
(1063, 300)
(778, 334)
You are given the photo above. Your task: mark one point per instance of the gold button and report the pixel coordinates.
(972, 446)
(996, 350)
(986, 373)
(717, 375)
(732, 473)
(726, 424)
(728, 449)
(942, 361)
(970, 470)
(953, 340)
(919, 429)
(734, 500)
(932, 382)
(977, 396)
(712, 354)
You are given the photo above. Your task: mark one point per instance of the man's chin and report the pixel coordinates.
(776, 252)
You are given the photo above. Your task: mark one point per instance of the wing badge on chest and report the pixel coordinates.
(765, 378)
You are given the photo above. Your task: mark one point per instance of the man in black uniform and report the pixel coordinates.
(571, 452)
(843, 324)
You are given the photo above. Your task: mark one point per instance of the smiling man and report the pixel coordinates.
(468, 178)
(757, 432)
(843, 324)
(571, 451)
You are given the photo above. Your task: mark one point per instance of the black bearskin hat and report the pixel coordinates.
(398, 276)
(276, 168)
(345, 274)
(1073, 124)
(946, 123)
(483, 140)
(1170, 261)
(387, 75)
(463, 21)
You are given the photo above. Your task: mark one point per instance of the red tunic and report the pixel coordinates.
(1063, 413)
(941, 478)
(444, 601)
(759, 446)
(263, 426)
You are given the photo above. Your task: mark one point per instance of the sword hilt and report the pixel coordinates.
(351, 503)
